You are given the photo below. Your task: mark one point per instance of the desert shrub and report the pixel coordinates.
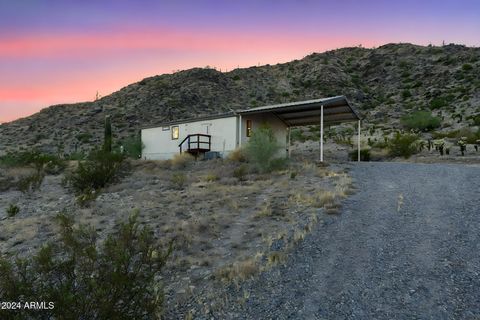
(470, 135)
(100, 169)
(133, 146)
(278, 164)
(237, 155)
(178, 180)
(403, 145)
(475, 119)
(297, 135)
(211, 177)
(293, 174)
(40, 161)
(364, 155)
(262, 148)
(182, 160)
(240, 172)
(77, 156)
(30, 182)
(438, 102)
(12, 210)
(420, 120)
(115, 280)
(406, 94)
(84, 137)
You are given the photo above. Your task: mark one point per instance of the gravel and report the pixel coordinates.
(406, 246)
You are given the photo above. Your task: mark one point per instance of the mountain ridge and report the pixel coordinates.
(383, 83)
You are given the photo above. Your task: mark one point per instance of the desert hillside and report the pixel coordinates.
(384, 83)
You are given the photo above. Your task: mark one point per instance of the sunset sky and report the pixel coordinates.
(54, 51)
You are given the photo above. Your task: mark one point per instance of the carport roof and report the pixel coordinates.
(335, 110)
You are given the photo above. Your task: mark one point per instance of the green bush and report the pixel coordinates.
(467, 67)
(403, 145)
(240, 172)
(364, 155)
(438, 102)
(475, 119)
(12, 210)
(133, 146)
(84, 137)
(297, 135)
(421, 120)
(262, 148)
(40, 161)
(115, 280)
(100, 169)
(406, 94)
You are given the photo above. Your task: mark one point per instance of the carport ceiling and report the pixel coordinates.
(335, 110)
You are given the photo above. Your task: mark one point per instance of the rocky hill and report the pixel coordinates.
(383, 83)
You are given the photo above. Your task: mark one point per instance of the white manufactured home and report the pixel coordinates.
(225, 132)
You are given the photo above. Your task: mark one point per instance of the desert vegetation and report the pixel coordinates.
(117, 279)
(228, 220)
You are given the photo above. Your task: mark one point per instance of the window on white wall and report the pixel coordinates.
(249, 128)
(175, 133)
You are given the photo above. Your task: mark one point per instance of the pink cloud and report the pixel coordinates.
(80, 45)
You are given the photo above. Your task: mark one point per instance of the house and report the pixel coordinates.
(223, 133)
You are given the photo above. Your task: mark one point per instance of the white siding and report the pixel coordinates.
(159, 144)
(224, 131)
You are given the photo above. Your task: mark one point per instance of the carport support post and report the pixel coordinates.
(321, 133)
(358, 141)
(289, 141)
(239, 130)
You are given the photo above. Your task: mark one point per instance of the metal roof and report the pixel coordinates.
(335, 110)
(188, 120)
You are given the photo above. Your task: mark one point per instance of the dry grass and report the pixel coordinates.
(276, 258)
(181, 160)
(240, 270)
(237, 155)
(265, 210)
(216, 221)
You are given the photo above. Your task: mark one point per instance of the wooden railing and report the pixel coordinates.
(193, 143)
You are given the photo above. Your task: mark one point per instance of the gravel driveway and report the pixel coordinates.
(406, 246)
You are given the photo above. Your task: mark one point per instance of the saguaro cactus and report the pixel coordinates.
(107, 141)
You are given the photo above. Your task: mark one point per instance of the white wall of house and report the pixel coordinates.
(159, 145)
(158, 142)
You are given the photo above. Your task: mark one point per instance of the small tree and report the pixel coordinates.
(262, 148)
(403, 145)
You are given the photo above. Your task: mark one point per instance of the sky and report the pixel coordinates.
(65, 51)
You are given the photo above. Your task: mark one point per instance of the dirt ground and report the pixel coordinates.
(227, 226)
(405, 246)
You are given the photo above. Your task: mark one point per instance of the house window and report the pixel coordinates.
(249, 128)
(175, 133)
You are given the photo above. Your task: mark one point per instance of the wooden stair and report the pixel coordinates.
(196, 144)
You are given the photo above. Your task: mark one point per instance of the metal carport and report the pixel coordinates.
(331, 110)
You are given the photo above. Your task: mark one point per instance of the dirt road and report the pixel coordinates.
(406, 246)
